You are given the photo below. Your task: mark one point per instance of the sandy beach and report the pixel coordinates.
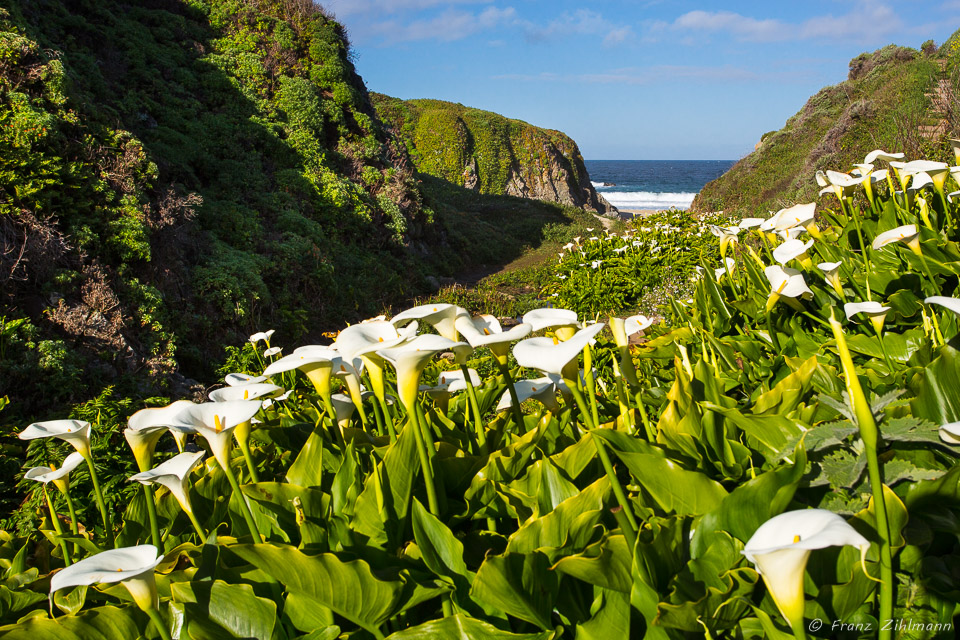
(636, 213)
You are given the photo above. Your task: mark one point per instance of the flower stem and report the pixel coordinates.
(152, 516)
(196, 525)
(605, 461)
(591, 383)
(425, 464)
(244, 507)
(244, 446)
(514, 398)
(98, 494)
(56, 527)
(159, 623)
(74, 526)
(475, 405)
(388, 418)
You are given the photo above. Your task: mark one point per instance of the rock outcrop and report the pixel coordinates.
(492, 154)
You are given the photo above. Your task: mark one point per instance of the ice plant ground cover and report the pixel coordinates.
(780, 449)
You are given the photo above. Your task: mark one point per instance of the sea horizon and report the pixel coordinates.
(653, 184)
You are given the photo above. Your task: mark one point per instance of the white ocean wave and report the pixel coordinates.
(648, 199)
(596, 184)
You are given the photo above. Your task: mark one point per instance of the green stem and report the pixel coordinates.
(377, 417)
(514, 398)
(475, 405)
(388, 418)
(651, 433)
(772, 332)
(425, 464)
(98, 494)
(244, 507)
(883, 528)
(152, 516)
(196, 525)
(159, 623)
(56, 527)
(863, 247)
(591, 383)
(605, 461)
(74, 525)
(799, 630)
(883, 349)
(244, 447)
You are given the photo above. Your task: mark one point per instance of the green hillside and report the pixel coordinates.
(896, 98)
(487, 152)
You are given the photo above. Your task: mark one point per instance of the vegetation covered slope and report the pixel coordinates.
(490, 153)
(896, 98)
(194, 169)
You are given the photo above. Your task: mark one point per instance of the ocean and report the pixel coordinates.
(653, 184)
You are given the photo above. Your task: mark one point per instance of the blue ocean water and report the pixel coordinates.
(653, 184)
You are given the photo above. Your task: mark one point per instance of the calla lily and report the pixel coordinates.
(343, 408)
(174, 474)
(950, 433)
(449, 383)
(840, 184)
(787, 283)
(937, 171)
(906, 234)
(485, 331)
(261, 335)
(234, 379)
(831, 272)
(132, 566)
(272, 351)
(76, 432)
(791, 249)
(953, 304)
(411, 358)
(874, 310)
(145, 427)
(750, 223)
(551, 356)
(59, 477)
(216, 421)
(720, 272)
(880, 154)
(727, 236)
(441, 316)
(315, 361)
(245, 392)
(799, 215)
(782, 545)
(542, 389)
(564, 320)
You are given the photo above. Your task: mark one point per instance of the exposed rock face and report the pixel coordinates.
(484, 151)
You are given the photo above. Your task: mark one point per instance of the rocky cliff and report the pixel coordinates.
(896, 98)
(487, 152)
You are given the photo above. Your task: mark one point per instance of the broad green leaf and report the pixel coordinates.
(785, 395)
(100, 623)
(382, 508)
(769, 432)
(605, 564)
(612, 619)
(13, 604)
(461, 627)
(440, 549)
(307, 469)
(231, 607)
(519, 584)
(937, 398)
(347, 588)
(305, 613)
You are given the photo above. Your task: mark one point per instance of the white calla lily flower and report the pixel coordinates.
(59, 477)
(831, 271)
(781, 546)
(272, 351)
(791, 249)
(551, 318)
(722, 271)
(215, 423)
(551, 356)
(261, 335)
(132, 566)
(542, 389)
(411, 358)
(880, 154)
(950, 432)
(245, 392)
(441, 316)
(750, 223)
(799, 215)
(872, 309)
(315, 361)
(145, 427)
(234, 379)
(76, 432)
(907, 234)
(485, 331)
(785, 282)
(174, 474)
(953, 304)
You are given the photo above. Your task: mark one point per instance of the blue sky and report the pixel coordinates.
(631, 79)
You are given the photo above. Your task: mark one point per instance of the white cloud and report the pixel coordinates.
(656, 75)
(580, 22)
(448, 26)
(868, 21)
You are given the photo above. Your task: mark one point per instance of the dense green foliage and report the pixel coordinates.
(621, 507)
(887, 102)
(490, 153)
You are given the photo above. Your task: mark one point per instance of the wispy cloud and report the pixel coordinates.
(658, 74)
(867, 21)
(345, 8)
(448, 26)
(580, 22)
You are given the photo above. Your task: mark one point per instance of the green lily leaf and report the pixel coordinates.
(307, 469)
(217, 607)
(100, 623)
(519, 584)
(461, 627)
(937, 400)
(382, 508)
(612, 619)
(605, 564)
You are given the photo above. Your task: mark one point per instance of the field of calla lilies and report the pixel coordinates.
(774, 457)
